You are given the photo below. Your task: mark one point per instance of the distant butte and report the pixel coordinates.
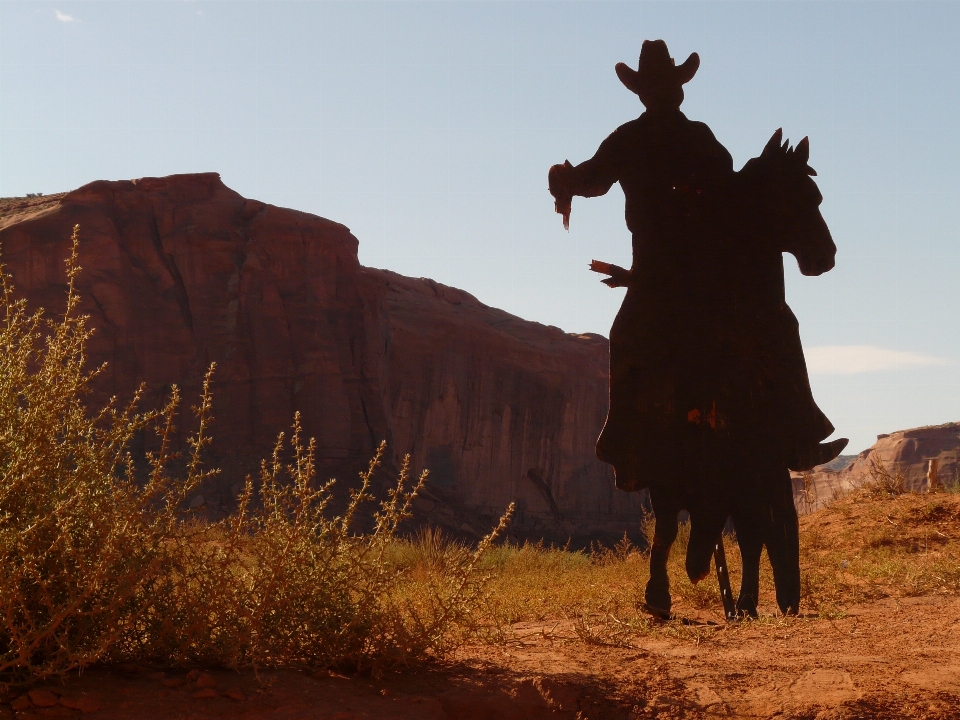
(182, 271)
(910, 451)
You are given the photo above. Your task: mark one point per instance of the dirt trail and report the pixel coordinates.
(888, 659)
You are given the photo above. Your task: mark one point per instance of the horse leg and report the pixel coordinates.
(752, 521)
(783, 542)
(709, 506)
(706, 527)
(666, 507)
(751, 527)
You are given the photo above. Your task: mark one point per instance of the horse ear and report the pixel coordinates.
(803, 151)
(774, 143)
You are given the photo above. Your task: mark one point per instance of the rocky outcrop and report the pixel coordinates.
(179, 272)
(906, 451)
(497, 408)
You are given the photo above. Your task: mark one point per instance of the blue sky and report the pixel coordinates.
(428, 129)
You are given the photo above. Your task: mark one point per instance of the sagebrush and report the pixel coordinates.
(100, 563)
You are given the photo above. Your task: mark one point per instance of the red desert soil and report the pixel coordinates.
(896, 656)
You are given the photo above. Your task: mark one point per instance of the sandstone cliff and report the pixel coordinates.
(179, 272)
(497, 407)
(909, 450)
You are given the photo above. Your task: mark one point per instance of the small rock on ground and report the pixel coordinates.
(84, 703)
(205, 680)
(43, 698)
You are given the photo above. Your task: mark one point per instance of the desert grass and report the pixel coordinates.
(864, 546)
(598, 592)
(98, 563)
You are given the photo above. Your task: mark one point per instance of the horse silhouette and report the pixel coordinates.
(742, 470)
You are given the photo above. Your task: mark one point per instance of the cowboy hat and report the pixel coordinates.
(657, 73)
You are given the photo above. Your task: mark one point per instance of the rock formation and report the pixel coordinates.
(179, 272)
(910, 451)
(496, 407)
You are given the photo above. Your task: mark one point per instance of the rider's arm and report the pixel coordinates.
(591, 178)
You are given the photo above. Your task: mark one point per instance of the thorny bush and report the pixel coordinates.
(98, 564)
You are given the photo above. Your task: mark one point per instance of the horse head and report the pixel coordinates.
(787, 201)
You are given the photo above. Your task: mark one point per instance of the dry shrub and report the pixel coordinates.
(280, 583)
(604, 555)
(78, 536)
(96, 564)
(806, 502)
(882, 482)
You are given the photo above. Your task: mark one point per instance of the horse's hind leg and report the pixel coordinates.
(752, 520)
(749, 525)
(783, 543)
(666, 507)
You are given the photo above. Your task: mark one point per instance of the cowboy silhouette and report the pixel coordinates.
(667, 353)
(710, 402)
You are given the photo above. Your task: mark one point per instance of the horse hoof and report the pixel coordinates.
(788, 598)
(789, 605)
(747, 609)
(658, 613)
(657, 601)
(790, 609)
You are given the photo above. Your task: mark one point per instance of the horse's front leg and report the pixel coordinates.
(710, 505)
(666, 507)
(707, 518)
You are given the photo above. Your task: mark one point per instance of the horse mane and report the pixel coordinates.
(778, 153)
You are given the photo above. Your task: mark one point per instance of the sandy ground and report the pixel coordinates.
(889, 659)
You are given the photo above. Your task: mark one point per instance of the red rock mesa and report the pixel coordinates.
(181, 271)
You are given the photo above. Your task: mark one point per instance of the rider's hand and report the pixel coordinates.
(559, 179)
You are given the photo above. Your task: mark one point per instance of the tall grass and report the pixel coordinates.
(596, 594)
(862, 547)
(98, 564)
